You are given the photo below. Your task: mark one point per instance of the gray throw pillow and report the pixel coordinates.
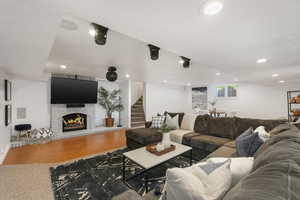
(248, 143)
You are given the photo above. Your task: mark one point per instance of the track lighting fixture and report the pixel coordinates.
(185, 62)
(154, 51)
(100, 34)
(112, 75)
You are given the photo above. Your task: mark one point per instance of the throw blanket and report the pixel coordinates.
(177, 135)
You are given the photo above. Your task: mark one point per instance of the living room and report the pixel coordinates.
(131, 100)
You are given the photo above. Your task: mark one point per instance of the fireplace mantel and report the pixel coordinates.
(60, 110)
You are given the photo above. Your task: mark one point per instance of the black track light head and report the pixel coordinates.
(101, 34)
(185, 62)
(154, 51)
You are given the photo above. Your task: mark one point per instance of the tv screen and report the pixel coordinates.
(72, 91)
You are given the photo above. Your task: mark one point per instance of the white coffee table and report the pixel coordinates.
(148, 160)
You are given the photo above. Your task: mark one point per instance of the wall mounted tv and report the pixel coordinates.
(73, 91)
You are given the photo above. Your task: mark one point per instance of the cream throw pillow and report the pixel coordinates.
(172, 122)
(239, 167)
(188, 122)
(204, 181)
(262, 133)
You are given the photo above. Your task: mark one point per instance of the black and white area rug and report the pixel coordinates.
(100, 177)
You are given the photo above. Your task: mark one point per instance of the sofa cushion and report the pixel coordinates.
(201, 124)
(276, 181)
(281, 147)
(188, 137)
(243, 124)
(281, 128)
(208, 143)
(178, 134)
(180, 116)
(222, 127)
(223, 151)
(230, 144)
(144, 135)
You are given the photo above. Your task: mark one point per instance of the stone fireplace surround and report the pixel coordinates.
(60, 110)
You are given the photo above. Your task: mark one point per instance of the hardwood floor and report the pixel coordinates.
(66, 149)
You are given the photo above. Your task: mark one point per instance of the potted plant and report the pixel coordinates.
(165, 130)
(111, 102)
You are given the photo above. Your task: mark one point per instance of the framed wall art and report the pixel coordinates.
(7, 89)
(8, 115)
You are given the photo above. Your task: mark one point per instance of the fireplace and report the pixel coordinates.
(74, 121)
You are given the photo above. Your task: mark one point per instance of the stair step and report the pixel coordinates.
(137, 107)
(137, 111)
(139, 117)
(135, 124)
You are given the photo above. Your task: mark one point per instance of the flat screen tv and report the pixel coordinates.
(73, 91)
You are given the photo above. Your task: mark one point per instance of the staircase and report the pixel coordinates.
(137, 114)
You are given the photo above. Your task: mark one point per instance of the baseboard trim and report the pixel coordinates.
(4, 154)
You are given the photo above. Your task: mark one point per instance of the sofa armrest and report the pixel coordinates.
(148, 124)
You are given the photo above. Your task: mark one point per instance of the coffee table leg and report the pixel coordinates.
(191, 157)
(146, 182)
(124, 178)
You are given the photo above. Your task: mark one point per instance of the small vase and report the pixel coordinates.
(166, 140)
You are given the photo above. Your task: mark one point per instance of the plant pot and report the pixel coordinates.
(109, 122)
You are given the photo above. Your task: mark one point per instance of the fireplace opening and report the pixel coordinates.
(74, 121)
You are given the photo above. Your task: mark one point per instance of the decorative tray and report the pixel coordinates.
(152, 149)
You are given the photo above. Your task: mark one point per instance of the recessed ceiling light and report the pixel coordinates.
(63, 67)
(189, 84)
(275, 75)
(92, 32)
(127, 76)
(262, 60)
(212, 8)
(165, 81)
(281, 81)
(218, 73)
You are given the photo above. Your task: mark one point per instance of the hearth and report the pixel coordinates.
(74, 121)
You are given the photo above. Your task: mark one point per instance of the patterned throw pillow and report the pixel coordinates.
(157, 121)
(42, 133)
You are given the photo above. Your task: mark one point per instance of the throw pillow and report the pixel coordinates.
(172, 122)
(181, 184)
(239, 167)
(262, 133)
(215, 176)
(157, 121)
(188, 122)
(248, 143)
(243, 142)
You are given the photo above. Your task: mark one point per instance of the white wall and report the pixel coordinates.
(137, 90)
(125, 87)
(5, 132)
(164, 97)
(255, 101)
(35, 97)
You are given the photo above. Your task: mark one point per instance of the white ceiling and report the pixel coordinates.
(229, 42)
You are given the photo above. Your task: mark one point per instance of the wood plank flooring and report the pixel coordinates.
(66, 149)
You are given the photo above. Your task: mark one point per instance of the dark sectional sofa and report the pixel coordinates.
(212, 137)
